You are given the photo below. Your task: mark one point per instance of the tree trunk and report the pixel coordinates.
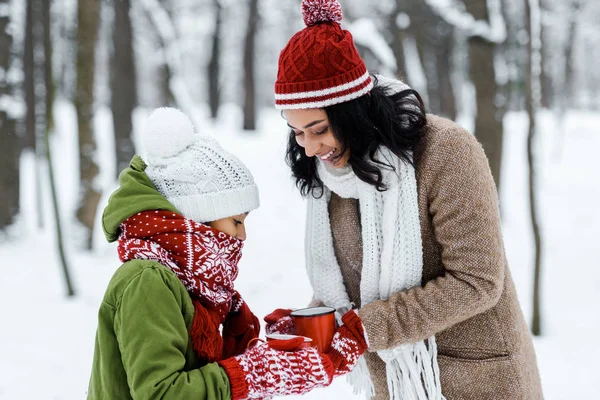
(568, 90)
(444, 51)
(422, 19)
(29, 77)
(428, 59)
(32, 71)
(532, 98)
(546, 74)
(567, 98)
(10, 149)
(488, 121)
(397, 37)
(88, 17)
(50, 89)
(123, 85)
(434, 40)
(49, 124)
(249, 83)
(214, 92)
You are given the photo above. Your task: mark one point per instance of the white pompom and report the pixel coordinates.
(167, 132)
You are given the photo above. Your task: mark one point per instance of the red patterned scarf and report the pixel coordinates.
(206, 262)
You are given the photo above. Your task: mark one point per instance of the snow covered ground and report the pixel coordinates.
(46, 340)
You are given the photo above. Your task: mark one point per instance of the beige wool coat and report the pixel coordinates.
(467, 299)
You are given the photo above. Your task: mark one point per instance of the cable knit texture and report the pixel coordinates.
(320, 65)
(467, 297)
(392, 261)
(202, 180)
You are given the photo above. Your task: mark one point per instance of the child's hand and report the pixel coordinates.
(263, 371)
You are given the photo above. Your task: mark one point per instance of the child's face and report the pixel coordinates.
(233, 226)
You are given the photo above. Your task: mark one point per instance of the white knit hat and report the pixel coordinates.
(203, 181)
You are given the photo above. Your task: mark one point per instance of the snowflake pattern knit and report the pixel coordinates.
(205, 260)
(263, 372)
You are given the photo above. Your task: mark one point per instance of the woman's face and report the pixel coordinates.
(314, 134)
(233, 226)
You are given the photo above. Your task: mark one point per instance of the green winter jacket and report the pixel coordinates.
(143, 350)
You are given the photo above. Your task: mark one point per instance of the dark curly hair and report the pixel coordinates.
(383, 118)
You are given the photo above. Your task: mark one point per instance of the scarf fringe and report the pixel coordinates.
(360, 379)
(204, 332)
(412, 372)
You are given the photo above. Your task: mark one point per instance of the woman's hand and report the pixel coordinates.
(349, 343)
(279, 321)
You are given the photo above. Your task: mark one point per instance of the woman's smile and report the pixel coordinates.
(328, 156)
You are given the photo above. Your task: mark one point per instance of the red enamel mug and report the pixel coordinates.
(317, 323)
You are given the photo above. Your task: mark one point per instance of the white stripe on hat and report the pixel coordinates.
(323, 92)
(327, 102)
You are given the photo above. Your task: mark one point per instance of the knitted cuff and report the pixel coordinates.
(354, 324)
(239, 389)
(328, 367)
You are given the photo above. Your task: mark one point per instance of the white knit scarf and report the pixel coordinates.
(392, 261)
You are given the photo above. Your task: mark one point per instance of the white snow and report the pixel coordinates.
(365, 33)
(4, 10)
(402, 21)
(47, 340)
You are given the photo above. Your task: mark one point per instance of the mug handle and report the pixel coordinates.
(252, 342)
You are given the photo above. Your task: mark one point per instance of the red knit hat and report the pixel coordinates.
(320, 65)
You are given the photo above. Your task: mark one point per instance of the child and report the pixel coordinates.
(179, 218)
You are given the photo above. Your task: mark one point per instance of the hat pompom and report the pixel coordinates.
(167, 133)
(315, 11)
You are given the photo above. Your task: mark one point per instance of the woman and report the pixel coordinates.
(403, 223)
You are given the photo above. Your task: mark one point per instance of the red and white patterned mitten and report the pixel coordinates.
(264, 371)
(279, 321)
(348, 344)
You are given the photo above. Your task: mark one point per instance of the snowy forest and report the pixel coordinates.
(78, 78)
